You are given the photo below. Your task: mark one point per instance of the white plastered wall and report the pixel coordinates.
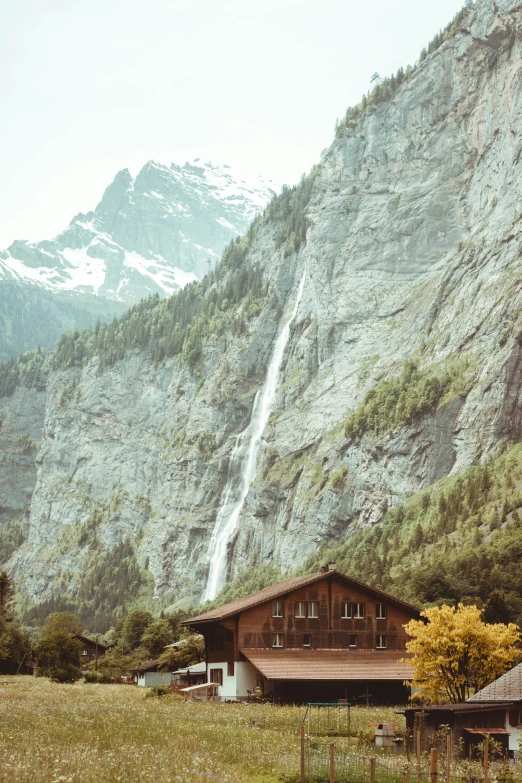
(238, 685)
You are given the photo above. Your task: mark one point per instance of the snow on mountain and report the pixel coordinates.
(151, 234)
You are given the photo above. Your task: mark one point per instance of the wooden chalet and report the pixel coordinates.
(495, 710)
(320, 637)
(92, 650)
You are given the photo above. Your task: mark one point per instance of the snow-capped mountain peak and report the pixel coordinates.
(150, 234)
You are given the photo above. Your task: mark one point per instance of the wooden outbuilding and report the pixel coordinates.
(495, 710)
(319, 637)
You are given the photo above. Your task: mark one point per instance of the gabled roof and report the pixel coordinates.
(281, 588)
(506, 688)
(145, 667)
(84, 639)
(299, 664)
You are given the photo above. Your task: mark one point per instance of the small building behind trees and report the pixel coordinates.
(92, 650)
(148, 674)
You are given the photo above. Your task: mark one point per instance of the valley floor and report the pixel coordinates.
(73, 733)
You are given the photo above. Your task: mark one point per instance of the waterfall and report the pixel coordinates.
(242, 466)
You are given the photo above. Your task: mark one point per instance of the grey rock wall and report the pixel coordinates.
(413, 250)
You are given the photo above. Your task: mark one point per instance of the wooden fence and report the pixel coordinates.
(323, 762)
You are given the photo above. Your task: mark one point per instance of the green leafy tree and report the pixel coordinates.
(15, 644)
(112, 665)
(58, 657)
(496, 609)
(135, 625)
(156, 637)
(7, 593)
(61, 622)
(190, 650)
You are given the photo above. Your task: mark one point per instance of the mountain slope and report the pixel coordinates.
(31, 316)
(403, 363)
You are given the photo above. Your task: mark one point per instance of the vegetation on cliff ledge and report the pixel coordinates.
(400, 400)
(448, 543)
(385, 89)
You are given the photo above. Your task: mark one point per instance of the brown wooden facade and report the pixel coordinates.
(91, 649)
(326, 612)
(256, 627)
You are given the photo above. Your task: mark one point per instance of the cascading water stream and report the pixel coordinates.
(243, 462)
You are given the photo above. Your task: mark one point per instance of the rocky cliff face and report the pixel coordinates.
(413, 250)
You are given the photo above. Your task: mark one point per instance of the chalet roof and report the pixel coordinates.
(280, 588)
(327, 664)
(84, 639)
(145, 667)
(506, 688)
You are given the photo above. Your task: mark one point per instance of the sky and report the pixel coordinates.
(87, 89)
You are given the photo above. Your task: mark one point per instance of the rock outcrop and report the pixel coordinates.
(413, 250)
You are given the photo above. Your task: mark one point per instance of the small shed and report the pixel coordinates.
(148, 675)
(467, 722)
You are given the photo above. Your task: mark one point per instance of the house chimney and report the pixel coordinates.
(324, 569)
(331, 566)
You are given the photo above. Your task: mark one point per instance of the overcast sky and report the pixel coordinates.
(88, 88)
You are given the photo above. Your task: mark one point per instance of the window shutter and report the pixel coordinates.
(513, 717)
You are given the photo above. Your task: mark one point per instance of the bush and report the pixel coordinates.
(58, 657)
(338, 477)
(158, 691)
(90, 677)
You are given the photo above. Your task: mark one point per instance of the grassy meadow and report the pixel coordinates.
(98, 733)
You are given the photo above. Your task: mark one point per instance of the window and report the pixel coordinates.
(382, 642)
(230, 669)
(346, 611)
(358, 611)
(352, 640)
(380, 611)
(300, 608)
(85, 652)
(307, 640)
(277, 640)
(277, 608)
(216, 676)
(313, 609)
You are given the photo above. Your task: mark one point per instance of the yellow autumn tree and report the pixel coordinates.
(455, 653)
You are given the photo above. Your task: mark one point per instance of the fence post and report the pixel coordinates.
(433, 765)
(372, 770)
(332, 763)
(448, 758)
(418, 748)
(302, 767)
(309, 761)
(363, 770)
(486, 759)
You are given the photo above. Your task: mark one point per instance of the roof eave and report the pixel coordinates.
(317, 578)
